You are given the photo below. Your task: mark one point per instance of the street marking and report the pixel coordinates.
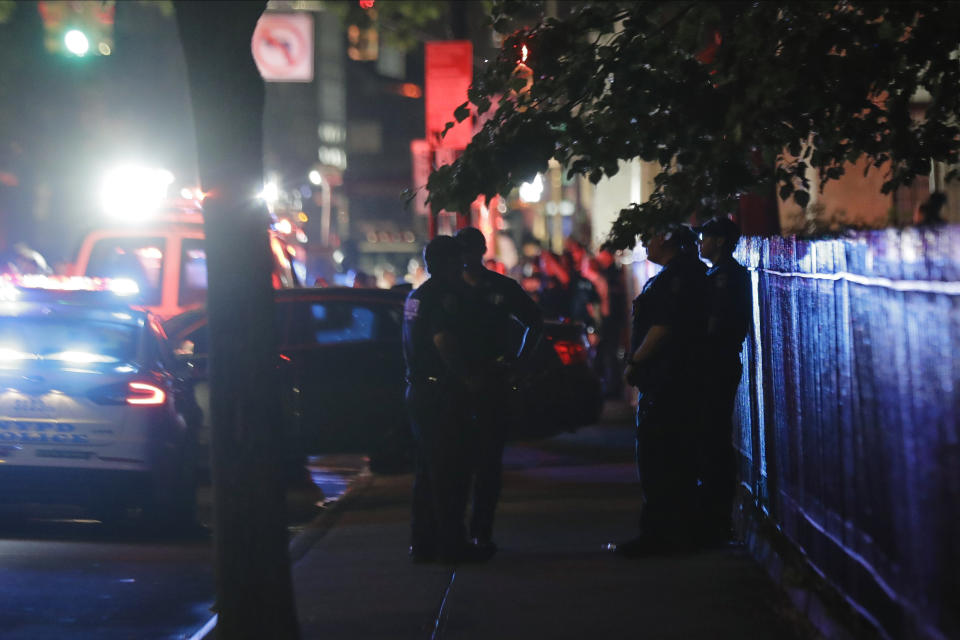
(441, 613)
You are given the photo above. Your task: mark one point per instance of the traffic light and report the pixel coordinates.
(78, 28)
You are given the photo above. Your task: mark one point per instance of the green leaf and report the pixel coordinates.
(601, 97)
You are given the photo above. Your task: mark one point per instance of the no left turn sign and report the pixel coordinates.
(283, 47)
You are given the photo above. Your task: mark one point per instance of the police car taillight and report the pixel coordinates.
(142, 393)
(133, 393)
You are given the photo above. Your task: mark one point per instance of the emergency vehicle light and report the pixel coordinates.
(79, 357)
(8, 354)
(118, 286)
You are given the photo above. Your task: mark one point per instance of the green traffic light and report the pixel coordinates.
(76, 42)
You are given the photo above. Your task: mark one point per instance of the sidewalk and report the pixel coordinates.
(551, 578)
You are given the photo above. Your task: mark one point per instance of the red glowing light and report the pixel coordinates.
(570, 352)
(142, 393)
(366, 4)
(410, 90)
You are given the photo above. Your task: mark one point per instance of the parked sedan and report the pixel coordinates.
(344, 349)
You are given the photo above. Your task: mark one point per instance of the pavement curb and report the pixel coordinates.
(327, 518)
(312, 532)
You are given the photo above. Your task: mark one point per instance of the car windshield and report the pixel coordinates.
(137, 259)
(70, 341)
(193, 272)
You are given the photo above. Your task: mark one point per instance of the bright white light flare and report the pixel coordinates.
(134, 193)
(270, 193)
(12, 354)
(532, 191)
(123, 287)
(79, 357)
(76, 42)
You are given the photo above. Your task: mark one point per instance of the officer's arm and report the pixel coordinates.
(652, 343)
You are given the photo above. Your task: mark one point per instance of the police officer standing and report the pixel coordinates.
(439, 382)
(728, 324)
(669, 327)
(506, 325)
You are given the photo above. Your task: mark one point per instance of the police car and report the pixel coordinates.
(92, 412)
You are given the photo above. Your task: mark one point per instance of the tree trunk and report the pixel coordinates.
(254, 589)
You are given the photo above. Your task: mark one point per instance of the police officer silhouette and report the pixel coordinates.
(439, 382)
(669, 326)
(505, 326)
(728, 324)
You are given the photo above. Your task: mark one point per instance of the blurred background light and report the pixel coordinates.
(132, 192)
(532, 191)
(270, 193)
(76, 42)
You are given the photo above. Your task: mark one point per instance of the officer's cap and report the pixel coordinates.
(682, 237)
(722, 227)
(472, 240)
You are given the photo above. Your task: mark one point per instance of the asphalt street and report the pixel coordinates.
(65, 576)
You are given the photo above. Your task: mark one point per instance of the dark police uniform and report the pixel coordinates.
(729, 322)
(437, 403)
(666, 415)
(500, 312)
